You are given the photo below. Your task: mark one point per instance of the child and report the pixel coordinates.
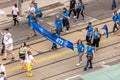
(29, 61)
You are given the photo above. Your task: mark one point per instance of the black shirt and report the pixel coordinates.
(72, 3)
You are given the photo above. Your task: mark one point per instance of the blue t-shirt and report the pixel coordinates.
(115, 18)
(119, 17)
(90, 31)
(89, 50)
(80, 48)
(96, 35)
(58, 24)
(37, 11)
(66, 14)
(80, 5)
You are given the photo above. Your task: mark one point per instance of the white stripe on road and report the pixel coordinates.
(72, 77)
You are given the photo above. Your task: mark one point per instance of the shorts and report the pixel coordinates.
(29, 66)
(22, 56)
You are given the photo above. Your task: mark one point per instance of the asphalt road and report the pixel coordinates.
(99, 9)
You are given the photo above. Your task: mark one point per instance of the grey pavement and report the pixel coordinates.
(64, 66)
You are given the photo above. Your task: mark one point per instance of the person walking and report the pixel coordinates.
(80, 9)
(115, 21)
(72, 7)
(66, 19)
(81, 48)
(37, 13)
(90, 29)
(15, 13)
(9, 48)
(4, 39)
(114, 4)
(22, 55)
(58, 24)
(29, 62)
(31, 19)
(89, 54)
(96, 38)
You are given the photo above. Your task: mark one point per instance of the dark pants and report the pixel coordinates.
(88, 39)
(58, 31)
(54, 46)
(89, 62)
(115, 27)
(74, 11)
(96, 42)
(15, 20)
(66, 24)
(78, 13)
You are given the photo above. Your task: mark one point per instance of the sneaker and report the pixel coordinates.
(90, 67)
(74, 17)
(67, 31)
(4, 59)
(78, 64)
(81, 62)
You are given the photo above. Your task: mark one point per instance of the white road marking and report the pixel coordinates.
(72, 77)
(2, 12)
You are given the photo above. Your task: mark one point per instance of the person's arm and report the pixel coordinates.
(93, 51)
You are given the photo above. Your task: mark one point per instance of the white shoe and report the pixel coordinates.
(78, 64)
(74, 17)
(81, 62)
(67, 31)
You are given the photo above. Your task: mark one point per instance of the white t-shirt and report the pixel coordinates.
(31, 10)
(1, 78)
(9, 44)
(6, 36)
(15, 10)
(29, 59)
(2, 68)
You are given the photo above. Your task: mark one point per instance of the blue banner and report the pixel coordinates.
(106, 30)
(52, 36)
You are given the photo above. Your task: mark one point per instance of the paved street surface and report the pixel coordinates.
(61, 64)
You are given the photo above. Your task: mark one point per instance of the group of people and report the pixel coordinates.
(92, 38)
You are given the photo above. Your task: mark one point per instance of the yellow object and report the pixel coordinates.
(29, 66)
(29, 75)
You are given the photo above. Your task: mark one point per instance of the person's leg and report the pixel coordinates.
(78, 13)
(87, 64)
(3, 49)
(70, 12)
(114, 27)
(5, 54)
(80, 57)
(14, 19)
(90, 61)
(82, 15)
(67, 25)
(74, 10)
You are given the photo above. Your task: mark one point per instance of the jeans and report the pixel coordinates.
(88, 62)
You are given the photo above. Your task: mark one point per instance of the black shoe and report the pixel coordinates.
(85, 69)
(4, 59)
(90, 67)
